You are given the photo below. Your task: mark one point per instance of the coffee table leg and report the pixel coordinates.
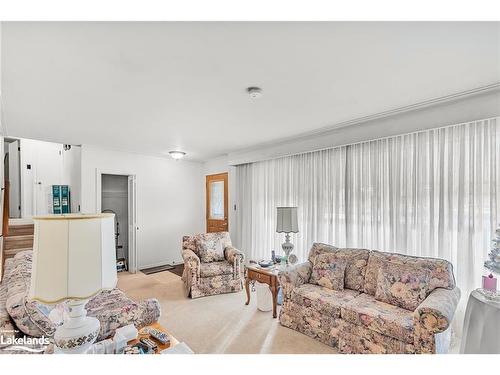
(247, 287)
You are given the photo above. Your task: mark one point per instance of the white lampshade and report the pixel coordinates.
(74, 257)
(286, 220)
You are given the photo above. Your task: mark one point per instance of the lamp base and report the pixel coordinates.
(287, 247)
(79, 331)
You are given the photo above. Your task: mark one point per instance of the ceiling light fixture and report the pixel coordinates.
(254, 92)
(177, 154)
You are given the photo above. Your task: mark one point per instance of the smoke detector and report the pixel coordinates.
(254, 92)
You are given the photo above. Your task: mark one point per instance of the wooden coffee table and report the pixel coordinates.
(173, 341)
(269, 276)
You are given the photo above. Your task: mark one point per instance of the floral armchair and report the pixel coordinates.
(206, 272)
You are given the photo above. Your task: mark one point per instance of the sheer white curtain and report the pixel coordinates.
(433, 193)
(314, 182)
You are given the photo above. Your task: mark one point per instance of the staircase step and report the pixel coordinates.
(21, 230)
(12, 252)
(18, 242)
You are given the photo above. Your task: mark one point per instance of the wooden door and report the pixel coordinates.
(216, 207)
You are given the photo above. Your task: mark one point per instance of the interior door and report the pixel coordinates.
(132, 225)
(48, 172)
(14, 179)
(217, 201)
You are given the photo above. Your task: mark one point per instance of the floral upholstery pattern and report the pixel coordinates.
(357, 261)
(112, 308)
(293, 277)
(434, 315)
(441, 270)
(215, 276)
(235, 257)
(402, 285)
(6, 326)
(311, 322)
(356, 339)
(211, 246)
(392, 321)
(322, 299)
(216, 269)
(328, 271)
(365, 325)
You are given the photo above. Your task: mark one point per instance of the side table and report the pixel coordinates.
(481, 333)
(263, 275)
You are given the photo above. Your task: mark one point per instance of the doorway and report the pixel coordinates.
(217, 201)
(12, 176)
(116, 194)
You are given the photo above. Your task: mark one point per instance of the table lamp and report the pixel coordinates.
(286, 222)
(74, 258)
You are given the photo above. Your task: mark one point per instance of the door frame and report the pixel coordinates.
(224, 176)
(133, 259)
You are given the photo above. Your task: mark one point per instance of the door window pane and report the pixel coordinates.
(217, 200)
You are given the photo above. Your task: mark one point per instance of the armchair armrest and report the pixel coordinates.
(294, 276)
(232, 254)
(236, 258)
(436, 312)
(191, 260)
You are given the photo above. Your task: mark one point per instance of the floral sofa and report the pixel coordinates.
(17, 313)
(366, 316)
(208, 271)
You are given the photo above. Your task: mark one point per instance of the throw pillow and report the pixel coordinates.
(402, 285)
(211, 246)
(329, 271)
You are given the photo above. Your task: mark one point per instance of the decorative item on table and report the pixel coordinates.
(489, 289)
(277, 259)
(74, 259)
(266, 263)
(493, 264)
(138, 348)
(490, 283)
(273, 256)
(292, 259)
(286, 222)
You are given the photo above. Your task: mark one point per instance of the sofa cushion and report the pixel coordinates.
(323, 300)
(381, 317)
(319, 248)
(357, 260)
(215, 269)
(441, 271)
(403, 285)
(328, 271)
(211, 246)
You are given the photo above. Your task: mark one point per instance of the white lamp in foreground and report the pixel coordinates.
(74, 258)
(286, 222)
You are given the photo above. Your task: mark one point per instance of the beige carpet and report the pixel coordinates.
(217, 324)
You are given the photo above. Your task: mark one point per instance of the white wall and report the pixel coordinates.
(170, 199)
(220, 165)
(72, 174)
(67, 172)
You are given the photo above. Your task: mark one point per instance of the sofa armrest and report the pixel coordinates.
(436, 312)
(232, 254)
(294, 276)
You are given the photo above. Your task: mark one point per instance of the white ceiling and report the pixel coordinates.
(150, 87)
